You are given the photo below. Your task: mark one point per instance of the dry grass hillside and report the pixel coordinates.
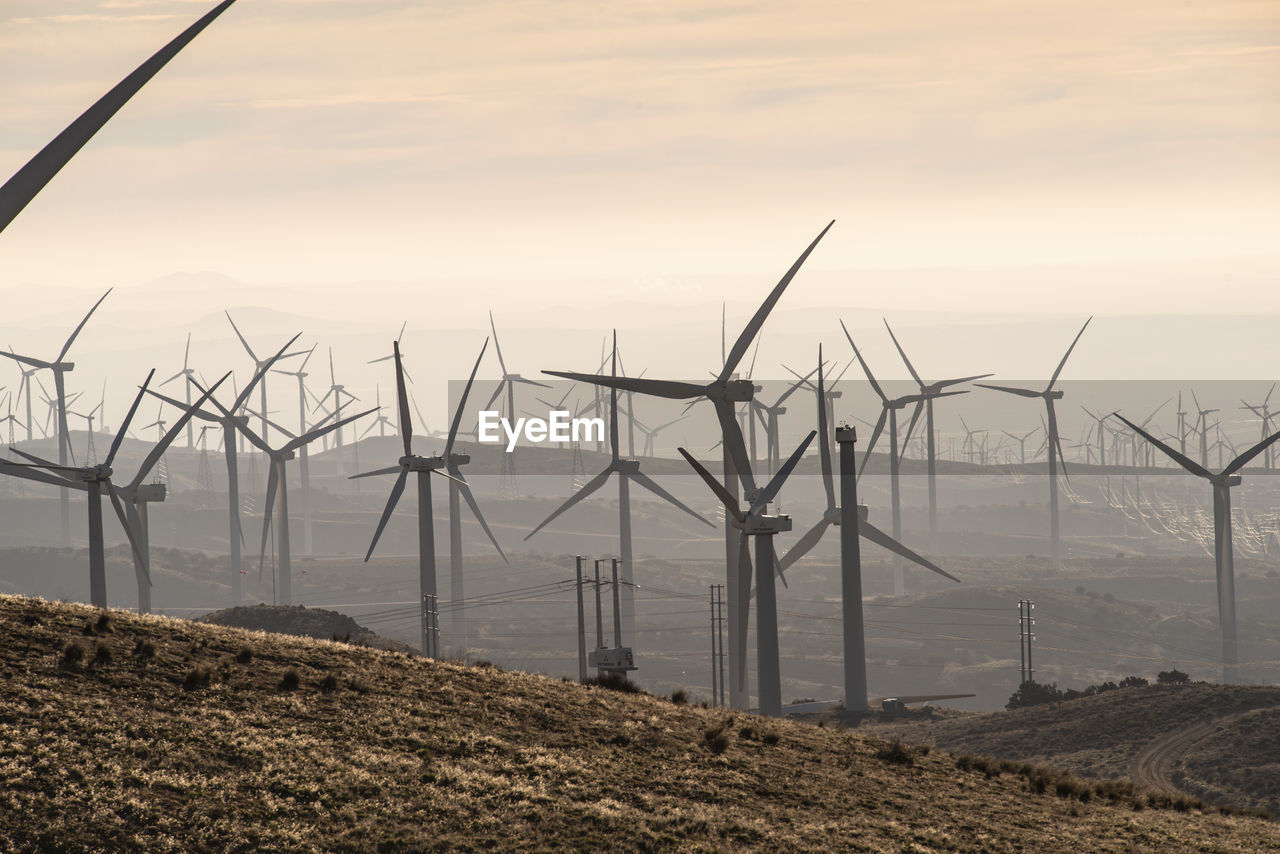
(149, 734)
(1233, 758)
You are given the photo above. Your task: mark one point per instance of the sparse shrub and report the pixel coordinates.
(897, 753)
(965, 761)
(1133, 682)
(719, 744)
(1032, 693)
(244, 656)
(771, 738)
(358, 686)
(290, 680)
(143, 648)
(748, 732)
(196, 678)
(680, 696)
(337, 638)
(614, 682)
(485, 664)
(329, 683)
(102, 655)
(72, 653)
(103, 623)
(88, 629)
(1172, 677)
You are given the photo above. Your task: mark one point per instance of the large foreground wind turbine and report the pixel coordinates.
(753, 521)
(1222, 552)
(1054, 443)
(60, 369)
(725, 392)
(627, 470)
(28, 181)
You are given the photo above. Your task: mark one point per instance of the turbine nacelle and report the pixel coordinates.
(1053, 394)
(759, 524)
(1225, 480)
(735, 391)
(459, 459)
(626, 466)
(413, 462)
(96, 474)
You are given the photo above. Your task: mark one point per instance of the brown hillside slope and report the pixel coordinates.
(1106, 734)
(167, 735)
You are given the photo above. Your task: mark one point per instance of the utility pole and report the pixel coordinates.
(582, 627)
(617, 608)
(1026, 634)
(717, 644)
(599, 615)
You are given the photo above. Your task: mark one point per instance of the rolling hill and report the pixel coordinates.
(120, 732)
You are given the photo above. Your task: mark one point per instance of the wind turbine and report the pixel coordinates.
(769, 414)
(1203, 426)
(190, 375)
(278, 490)
(231, 421)
(424, 467)
(889, 408)
(60, 369)
(1054, 443)
(627, 471)
(136, 495)
(337, 389)
(304, 465)
(1223, 558)
(1022, 443)
(508, 382)
(28, 181)
(833, 514)
(95, 480)
(258, 364)
(928, 391)
(1264, 412)
(724, 392)
(459, 491)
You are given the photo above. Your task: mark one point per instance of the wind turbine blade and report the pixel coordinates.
(731, 435)
(28, 181)
(806, 543)
(497, 391)
(396, 491)
(197, 413)
(911, 426)
(1188, 464)
(124, 425)
(866, 369)
(797, 384)
(256, 414)
(1021, 392)
(262, 372)
(772, 488)
(26, 360)
(903, 354)
(320, 431)
(587, 488)
(947, 383)
(1240, 461)
(28, 473)
(1067, 355)
(377, 472)
(248, 349)
(497, 346)
(465, 489)
(749, 333)
(644, 480)
(824, 449)
(880, 538)
(657, 388)
(158, 451)
(744, 594)
(402, 397)
(1155, 411)
(462, 403)
(875, 434)
(726, 498)
(67, 346)
(266, 515)
(126, 523)
(172, 378)
(529, 382)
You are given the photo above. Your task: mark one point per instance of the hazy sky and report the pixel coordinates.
(305, 140)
